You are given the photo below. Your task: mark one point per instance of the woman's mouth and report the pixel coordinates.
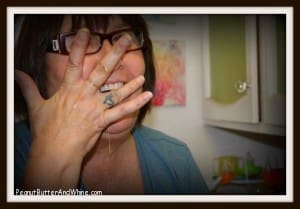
(111, 86)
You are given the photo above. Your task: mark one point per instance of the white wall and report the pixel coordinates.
(185, 122)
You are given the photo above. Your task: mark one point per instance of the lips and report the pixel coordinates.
(111, 86)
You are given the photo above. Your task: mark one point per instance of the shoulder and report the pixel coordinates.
(22, 144)
(22, 141)
(158, 147)
(22, 131)
(152, 136)
(167, 164)
(21, 125)
(157, 140)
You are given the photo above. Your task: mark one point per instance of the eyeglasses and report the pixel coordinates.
(64, 41)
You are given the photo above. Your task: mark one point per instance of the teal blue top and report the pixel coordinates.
(166, 163)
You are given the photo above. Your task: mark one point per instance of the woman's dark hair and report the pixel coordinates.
(35, 37)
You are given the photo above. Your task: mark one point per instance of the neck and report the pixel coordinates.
(108, 147)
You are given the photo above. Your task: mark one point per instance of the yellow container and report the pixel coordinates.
(228, 164)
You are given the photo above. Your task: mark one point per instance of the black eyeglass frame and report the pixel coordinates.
(58, 45)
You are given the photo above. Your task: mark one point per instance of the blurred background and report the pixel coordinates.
(232, 69)
(222, 90)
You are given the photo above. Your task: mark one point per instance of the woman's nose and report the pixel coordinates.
(104, 50)
(91, 61)
(106, 47)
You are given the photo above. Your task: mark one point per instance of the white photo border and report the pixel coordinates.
(288, 11)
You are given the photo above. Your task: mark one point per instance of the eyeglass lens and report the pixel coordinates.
(95, 40)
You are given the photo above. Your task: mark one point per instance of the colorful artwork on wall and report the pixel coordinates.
(170, 72)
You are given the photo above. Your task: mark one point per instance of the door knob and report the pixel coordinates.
(241, 86)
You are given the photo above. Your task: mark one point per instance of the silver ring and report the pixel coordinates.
(109, 100)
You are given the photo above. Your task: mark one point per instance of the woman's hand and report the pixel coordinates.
(67, 125)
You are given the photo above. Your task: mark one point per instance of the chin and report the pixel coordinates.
(121, 128)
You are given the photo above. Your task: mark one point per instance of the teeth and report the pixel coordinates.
(109, 87)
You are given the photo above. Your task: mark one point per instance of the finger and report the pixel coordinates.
(104, 68)
(114, 97)
(76, 57)
(110, 60)
(111, 115)
(28, 89)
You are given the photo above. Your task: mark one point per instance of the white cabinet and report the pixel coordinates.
(244, 72)
(272, 69)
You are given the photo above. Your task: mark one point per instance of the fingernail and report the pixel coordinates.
(141, 78)
(148, 95)
(83, 33)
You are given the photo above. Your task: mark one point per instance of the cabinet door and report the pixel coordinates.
(230, 68)
(272, 48)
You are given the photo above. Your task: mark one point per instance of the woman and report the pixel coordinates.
(87, 82)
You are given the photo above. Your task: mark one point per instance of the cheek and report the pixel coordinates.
(134, 64)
